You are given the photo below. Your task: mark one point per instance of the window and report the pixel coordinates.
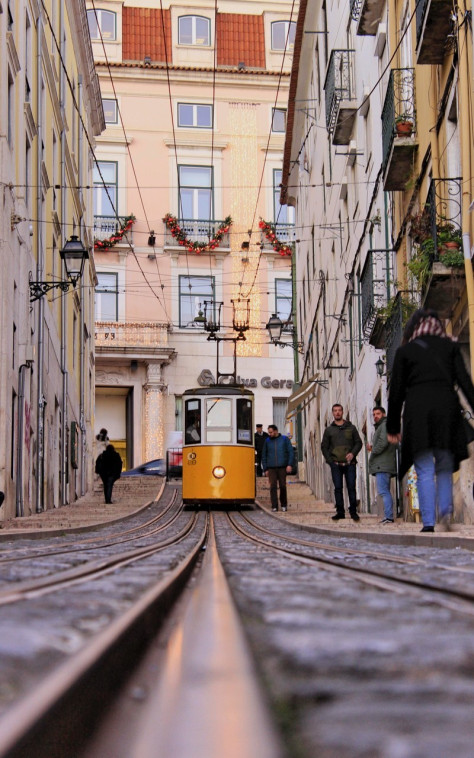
(105, 188)
(283, 299)
(281, 30)
(244, 421)
(110, 110)
(103, 25)
(194, 30)
(192, 422)
(195, 192)
(218, 420)
(278, 119)
(283, 214)
(195, 115)
(193, 290)
(106, 297)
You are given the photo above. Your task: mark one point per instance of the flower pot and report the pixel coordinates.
(404, 128)
(452, 245)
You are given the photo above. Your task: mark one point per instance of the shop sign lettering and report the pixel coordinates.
(206, 378)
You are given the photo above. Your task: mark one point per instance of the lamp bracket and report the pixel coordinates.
(39, 289)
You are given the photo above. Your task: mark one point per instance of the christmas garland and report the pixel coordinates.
(269, 231)
(196, 247)
(116, 236)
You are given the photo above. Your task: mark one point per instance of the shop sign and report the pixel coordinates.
(206, 378)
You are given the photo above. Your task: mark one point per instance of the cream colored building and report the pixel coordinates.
(195, 106)
(50, 113)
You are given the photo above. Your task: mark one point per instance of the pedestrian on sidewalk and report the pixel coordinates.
(260, 437)
(427, 369)
(382, 462)
(340, 444)
(277, 462)
(109, 467)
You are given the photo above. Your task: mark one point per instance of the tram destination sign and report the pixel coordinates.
(206, 378)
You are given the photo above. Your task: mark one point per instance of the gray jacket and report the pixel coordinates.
(382, 458)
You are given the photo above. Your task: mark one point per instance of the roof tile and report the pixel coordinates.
(142, 32)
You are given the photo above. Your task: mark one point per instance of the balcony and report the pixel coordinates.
(286, 234)
(399, 144)
(375, 293)
(197, 231)
(368, 14)
(131, 339)
(341, 106)
(434, 26)
(107, 226)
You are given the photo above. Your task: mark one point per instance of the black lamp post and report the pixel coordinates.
(275, 328)
(379, 367)
(74, 255)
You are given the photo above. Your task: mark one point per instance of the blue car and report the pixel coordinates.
(154, 468)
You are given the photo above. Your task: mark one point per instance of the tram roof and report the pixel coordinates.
(219, 389)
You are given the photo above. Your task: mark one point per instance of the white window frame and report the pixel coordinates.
(91, 14)
(284, 112)
(195, 107)
(111, 100)
(194, 36)
(99, 185)
(183, 292)
(106, 289)
(286, 25)
(195, 189)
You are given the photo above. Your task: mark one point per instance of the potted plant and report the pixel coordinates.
(404, 124)
(448, 236)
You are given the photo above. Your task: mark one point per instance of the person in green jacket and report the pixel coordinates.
(340, 444)
(382, 462)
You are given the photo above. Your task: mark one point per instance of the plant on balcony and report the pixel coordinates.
(196, 247)
(421, 262)
(404, 124)
(269, 231)
(405, 304)
(117, 236)
(451, 258)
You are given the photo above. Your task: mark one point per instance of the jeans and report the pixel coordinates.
(108, 482)
(338, 473)
(277, 476)
(434, 473)
(382, 479)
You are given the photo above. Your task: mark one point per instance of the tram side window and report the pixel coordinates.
(218, 420)
(192, 422)
(244, 421)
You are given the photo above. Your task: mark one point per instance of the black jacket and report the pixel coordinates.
(260, 441)
(424, 378)
(109, 463)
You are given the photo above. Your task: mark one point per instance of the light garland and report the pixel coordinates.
(196, 247)
(116, 236)
(269, 231)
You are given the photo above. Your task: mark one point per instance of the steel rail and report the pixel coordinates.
(442, 595)
(88, 571)
(54, 719)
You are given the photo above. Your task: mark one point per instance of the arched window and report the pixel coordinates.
(280, 31)
(103, 26)
(194, 30)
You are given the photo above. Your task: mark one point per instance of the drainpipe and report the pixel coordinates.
(39, 277)
(82, 346)
(466, 149)
(19, 511)
(63, 357)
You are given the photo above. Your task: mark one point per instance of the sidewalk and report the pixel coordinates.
(306, 510)
(130, 494)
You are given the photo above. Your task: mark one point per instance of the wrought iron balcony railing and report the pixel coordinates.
(434, 27)
(444, 206)
(403, 305)
(375, 287)
(107, 226)
(131, 335)
(339, 85)
(399, 106)
(198, 231)
(356, 6)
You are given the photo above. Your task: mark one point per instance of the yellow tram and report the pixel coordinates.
(218, 448)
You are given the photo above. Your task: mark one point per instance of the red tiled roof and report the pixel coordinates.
(142, 34)
(240, 39)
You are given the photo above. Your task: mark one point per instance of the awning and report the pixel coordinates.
(302, 395)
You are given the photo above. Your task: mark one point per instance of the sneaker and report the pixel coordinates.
(337, 517)
(283, 507)
(428, 529)
(387, 521)
(355, 517)
(274, 509)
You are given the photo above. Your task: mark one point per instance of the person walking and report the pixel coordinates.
(260, 437)
(340, 445)
(102, 440)
(277, 462)
(382, 462)
(109, 467)
(426, 370)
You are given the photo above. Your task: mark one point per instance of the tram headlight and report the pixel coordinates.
(218, 472)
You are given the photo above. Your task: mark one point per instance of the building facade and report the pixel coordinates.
(377, 163)
(195, 103)
(50, 113)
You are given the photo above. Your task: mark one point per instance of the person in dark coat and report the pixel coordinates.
(277, 461)
(109, 467)
(260, 437)
(340, 445)
(427, 368)
(382, 462)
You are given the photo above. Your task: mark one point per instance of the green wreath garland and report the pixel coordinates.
(116, 236)
(196, 247)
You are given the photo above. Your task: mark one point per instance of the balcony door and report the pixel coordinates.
(195, 193)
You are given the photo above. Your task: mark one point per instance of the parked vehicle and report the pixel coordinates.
(156, 467)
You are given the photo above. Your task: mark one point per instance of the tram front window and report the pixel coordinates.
(244, 422)
(192, 422)
(219, 419)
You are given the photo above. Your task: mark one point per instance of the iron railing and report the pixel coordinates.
(107, 226)
(444, 206)
(356, 7)
(404, 304)
(339, 84)
(198, 231)
(285, 233)
(399, 104)
(375, 287)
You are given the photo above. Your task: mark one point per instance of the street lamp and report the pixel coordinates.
(74, 255)
(274, 328)
(379, 367)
